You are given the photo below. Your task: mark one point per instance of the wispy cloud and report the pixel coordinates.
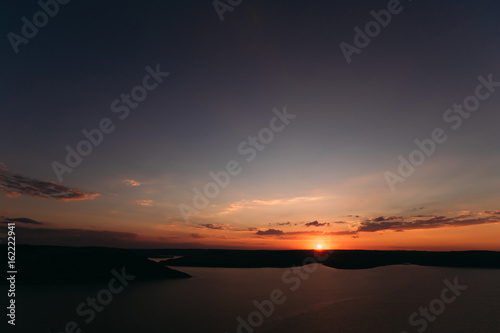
(386, 219)
(223, 226)
(284, 223)
(396, 224)
(14, 185)
(490, 212)
(131, 182)
(342, 233)
(85, 237)
(22, 220)
(428, 223)
(269, 232)
(421, 216)
(213, 226)
(267, 202)
(256, 203)
(147, 203)
(316, 224)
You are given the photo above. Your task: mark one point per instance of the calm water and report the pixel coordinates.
(326, 300)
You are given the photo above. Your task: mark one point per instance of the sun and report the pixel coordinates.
(319, 247)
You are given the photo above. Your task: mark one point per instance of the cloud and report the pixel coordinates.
(342, 233)
(316, 224)
(104, 238)
(269, 232)
(222, 226)
(422, 216)
(258, 203)
(213, 226)
(490, 212)
(401, 224)
(131, 182)
(15, 185)
(429, 223)
(74, 237)
(284, 223)
(242, 229)
(386, 219)
(22, 220)
(265, 201)
(147, 203)
(466, 213)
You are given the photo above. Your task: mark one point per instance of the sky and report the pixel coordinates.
(256, 125)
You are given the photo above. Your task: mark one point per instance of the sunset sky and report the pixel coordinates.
(319, 179)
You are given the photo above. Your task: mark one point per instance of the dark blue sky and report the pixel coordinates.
(353, 120)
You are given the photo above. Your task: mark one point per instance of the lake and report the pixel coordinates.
(309, 299)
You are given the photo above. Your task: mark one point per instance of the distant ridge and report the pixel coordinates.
(343, 259)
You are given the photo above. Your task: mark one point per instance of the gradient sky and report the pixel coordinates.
(319, 181)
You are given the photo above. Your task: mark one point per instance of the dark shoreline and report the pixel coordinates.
(342, 259)
(59, 264)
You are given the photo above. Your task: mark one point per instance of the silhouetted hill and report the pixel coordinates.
(238, 258)
(344, 259)
(56, 263)
(367, 259)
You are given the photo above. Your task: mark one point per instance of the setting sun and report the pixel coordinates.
(319, 246)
